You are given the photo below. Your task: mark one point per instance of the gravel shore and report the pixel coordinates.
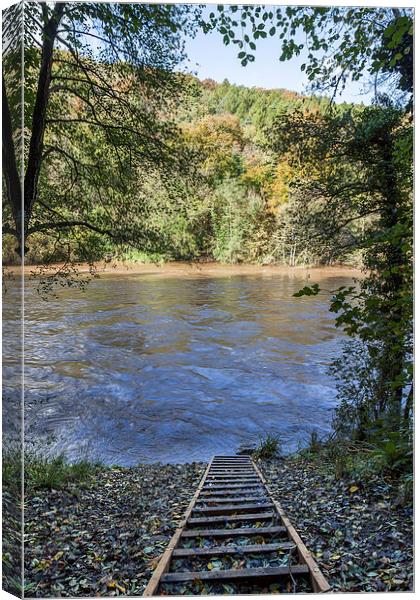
(105, 538)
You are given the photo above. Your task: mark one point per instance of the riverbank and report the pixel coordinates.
(105, 537)
(197, 269)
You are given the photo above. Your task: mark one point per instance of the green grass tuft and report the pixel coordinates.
(268, 447)
(45, 473)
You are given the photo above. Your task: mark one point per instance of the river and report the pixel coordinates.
(142, 368)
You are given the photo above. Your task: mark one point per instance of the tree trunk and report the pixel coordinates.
(39, 113)
(10, 167)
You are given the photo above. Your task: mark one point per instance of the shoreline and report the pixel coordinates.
(183, 269)
(128, 537)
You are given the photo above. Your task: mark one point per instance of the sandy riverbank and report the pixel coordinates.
(196, 269)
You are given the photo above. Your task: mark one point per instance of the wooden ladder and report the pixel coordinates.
(233, 515)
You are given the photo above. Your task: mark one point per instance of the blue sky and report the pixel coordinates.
(209, 57)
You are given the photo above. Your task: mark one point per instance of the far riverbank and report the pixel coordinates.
(183, 269)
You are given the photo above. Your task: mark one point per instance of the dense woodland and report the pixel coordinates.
(236, 198)
(126, 156)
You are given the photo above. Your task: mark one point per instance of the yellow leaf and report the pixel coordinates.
(209, 566)
(335, 557)
(353, 489)
(58, 555)
(112, 584)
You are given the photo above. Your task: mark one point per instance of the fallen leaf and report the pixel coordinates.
(58, 555)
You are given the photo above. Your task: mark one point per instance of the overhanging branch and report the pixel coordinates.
(68, 225)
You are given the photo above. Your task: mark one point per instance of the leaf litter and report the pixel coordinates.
(360, 534)
(105, 538)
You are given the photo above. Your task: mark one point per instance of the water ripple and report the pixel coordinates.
(145, 369)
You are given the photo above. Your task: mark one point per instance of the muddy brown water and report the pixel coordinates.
(142, 368)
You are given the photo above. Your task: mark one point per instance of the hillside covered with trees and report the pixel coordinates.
(235, 200)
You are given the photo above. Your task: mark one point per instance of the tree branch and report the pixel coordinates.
(7, 230)
(68, 224)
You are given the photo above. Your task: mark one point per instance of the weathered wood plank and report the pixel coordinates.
(232, 470)
(227, 474)
(235, 464)
(258, 574)
(232, 508)
(232, 473)
(232, 486)
(231, 457)
(231, 518)
(222, 550)
(232, 480)
(233, 492)
(239, 532)
(232, 463)
(227, 500)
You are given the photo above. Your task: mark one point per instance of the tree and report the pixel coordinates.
(99, 89)
(217, 140)
(372, 146)
(366, 177)
(341, 43)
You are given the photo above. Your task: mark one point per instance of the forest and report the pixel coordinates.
(238, 202)
(128, 156)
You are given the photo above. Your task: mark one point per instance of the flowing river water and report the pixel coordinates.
(142, 368)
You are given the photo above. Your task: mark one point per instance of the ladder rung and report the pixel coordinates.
(231, 518)
(228, 479)
(232, 508)
(259, 574)
(221, 550)
(243, 476)
(232, 470)
(232, 487)
(213, 499)
(231, 492)
(243, 531)
(232, 463)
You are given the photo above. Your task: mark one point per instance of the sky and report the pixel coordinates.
(210, 58)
